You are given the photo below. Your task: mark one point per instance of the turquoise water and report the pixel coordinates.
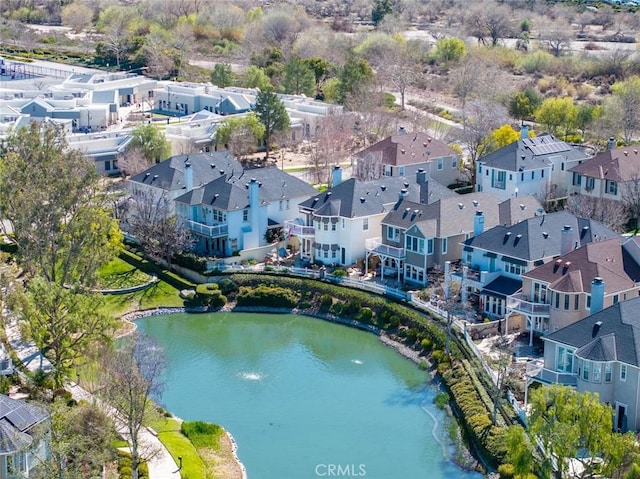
(304, 398)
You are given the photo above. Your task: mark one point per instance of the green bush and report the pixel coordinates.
(202, 434)
(125, 467)
(267, 296)
(441, 400)
(340, 273)
(227, 287)
(365, 315)
(326, 301)
(208, 295)
(506, 471)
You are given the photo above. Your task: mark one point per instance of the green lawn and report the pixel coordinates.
(117, 273)
(158, 295)
(168, 430)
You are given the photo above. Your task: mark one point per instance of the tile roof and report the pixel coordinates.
(539, 237)
(619, 164)
(574, 271)
(530, 154)
(408, 149)
(618, 327)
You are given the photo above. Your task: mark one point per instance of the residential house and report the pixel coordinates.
(104, 148)
(493, 262)
(530, 166)
(20, 449)
(418, 236)
(607, 174)
(338, 226)
(559, 293)
(233, 212)
(404, 154)
(599, 354)
(168, 180)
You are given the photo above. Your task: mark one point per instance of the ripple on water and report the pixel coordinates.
(250, 376)
(356, 361)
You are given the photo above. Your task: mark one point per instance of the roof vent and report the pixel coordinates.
(383, 187)
(403, 151)
(216, 195)
(596, 328)
(522, 207)
(407, 209)
(518, 236)
(508, 233)
(626, 153)
(212, 165)
(475, 203)
(221, 172)
(545, 234)
(559, 261)
(567, 264)
(362, 199)
(460, 205)
(635, 152)
(155, 176)
(146, 174)
(406, 184)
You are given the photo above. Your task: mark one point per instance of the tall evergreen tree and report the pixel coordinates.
(272, 115)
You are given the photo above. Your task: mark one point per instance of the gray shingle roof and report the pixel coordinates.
(600, 349)
(619, 328)
(530, 154)
(408, 149)
(17, 417)
(539, 237)
(619, 164)
(353, 198)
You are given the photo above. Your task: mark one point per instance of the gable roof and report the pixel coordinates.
(408, 149)
(574, 271)
(539, 237)
(619, 164)
(531, 154)
(169, 174)
(354, 198)
(617, 327)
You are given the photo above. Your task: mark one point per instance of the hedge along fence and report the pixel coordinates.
(152, 268)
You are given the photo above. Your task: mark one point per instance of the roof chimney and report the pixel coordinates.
(597, 295)
(524, 132)
(478, 223)
(336, 176)
(402, 130)
(403, 194)
(423, 183)
(611, 144)
(566, 240)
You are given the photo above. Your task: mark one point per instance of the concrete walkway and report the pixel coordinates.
(161, 466)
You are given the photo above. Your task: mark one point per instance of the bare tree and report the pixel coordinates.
(133, 161)
(611, 213)
(630, 194)
(556, 38)
(334, 141)
(492, 22)
(132, 378)
(156, 229)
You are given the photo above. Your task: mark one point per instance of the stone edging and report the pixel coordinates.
(234, 451)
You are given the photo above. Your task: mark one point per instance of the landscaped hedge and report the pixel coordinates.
(125, 469)
(209, 295)
(269, 296)
(476, 414)
(152, 268)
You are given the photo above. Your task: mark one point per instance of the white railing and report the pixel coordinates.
(520, 302)
(375, 245)
(215, 231)
(293, 228)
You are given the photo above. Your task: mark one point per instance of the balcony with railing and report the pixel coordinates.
(215, 231)
(291, 228)
(472, 275)
(537, 372)
(522, 303)
(376, 246)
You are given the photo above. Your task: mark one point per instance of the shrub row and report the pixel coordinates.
(152, 268)
(192, 261)
(489, 439)
(125, 469)
(269, 296)
(207, 295)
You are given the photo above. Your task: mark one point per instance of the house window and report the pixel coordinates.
(499, 180)
(333, 226)
(612, 187)
(479, 169)
(413, 273)
(333, 253)
(576, 302)
(514, 268)
(343, 223)
(444, 245)
(566, 302)
(616, 298)
(387, 170)
(288, 204)
(281, 205)
(430, 246)
(326, 254)
(219, 216)
(393, 234)
(245, 215)
(510, 176)
(440, 164)
(607, 373)
(623, 372)
(577, 179)
(561, 166)
(533, 175)
(588, 302)
(401, 170)
(541, 173)
(539, 293)
(585, 370)
(365, 224)
(557, 297)
(486, 172)
(415, 245)
(565, 359)
(326, 227)
(589, 183)
(597, 367)
(521, 176)
(454, 164)
(107, 165)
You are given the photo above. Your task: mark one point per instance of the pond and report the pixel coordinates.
(304, 398)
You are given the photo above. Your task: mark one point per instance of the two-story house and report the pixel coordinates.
(607, 174)
(404, 154)
(232, 214)
(417, 236)
(601, 354)
(530, 166)
(340, 225)
(558, 293)
(493, 262)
